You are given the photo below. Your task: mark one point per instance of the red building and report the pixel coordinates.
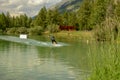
(68, 28)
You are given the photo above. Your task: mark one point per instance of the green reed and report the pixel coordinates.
(105, 62)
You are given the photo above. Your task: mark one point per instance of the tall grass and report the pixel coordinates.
(107, 30)
(105, 61)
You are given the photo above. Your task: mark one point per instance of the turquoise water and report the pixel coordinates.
(32, 59)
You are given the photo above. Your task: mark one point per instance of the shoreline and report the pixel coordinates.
(77, 35)
(69, 35)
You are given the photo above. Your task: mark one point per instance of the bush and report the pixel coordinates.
(1, 31)
(22, 30)
(53, 28)
(11, 30)
(37, 30)
(19, 30)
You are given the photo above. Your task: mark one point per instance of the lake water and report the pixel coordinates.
(38, 59)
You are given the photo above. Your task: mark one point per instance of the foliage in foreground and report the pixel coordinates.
(105, 65)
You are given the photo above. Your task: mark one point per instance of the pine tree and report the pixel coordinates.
(40, 20)
(8, 20)
(3, 22)
(84, 14)
(98, 12)
(65, 18)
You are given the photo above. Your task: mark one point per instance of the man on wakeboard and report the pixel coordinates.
(53, 39)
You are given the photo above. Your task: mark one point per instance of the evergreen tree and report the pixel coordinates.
(56, 17)
(84, 14)
(0, 21)
(65, 18)
(49, 17)
(98, 12)
(24, 20)
(3, 22)
(8, 20)
(13, 21)
(53, 17)
(29, 21)
(40, 20)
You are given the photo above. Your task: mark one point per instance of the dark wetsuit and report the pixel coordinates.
(53, 40)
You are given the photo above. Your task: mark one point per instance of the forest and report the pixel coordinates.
(100, 16)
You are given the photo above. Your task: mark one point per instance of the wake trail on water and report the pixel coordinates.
(31, 42)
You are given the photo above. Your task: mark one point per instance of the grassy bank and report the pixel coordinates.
(75, 35)
(105, 62)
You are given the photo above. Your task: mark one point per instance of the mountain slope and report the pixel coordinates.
(68, 5)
